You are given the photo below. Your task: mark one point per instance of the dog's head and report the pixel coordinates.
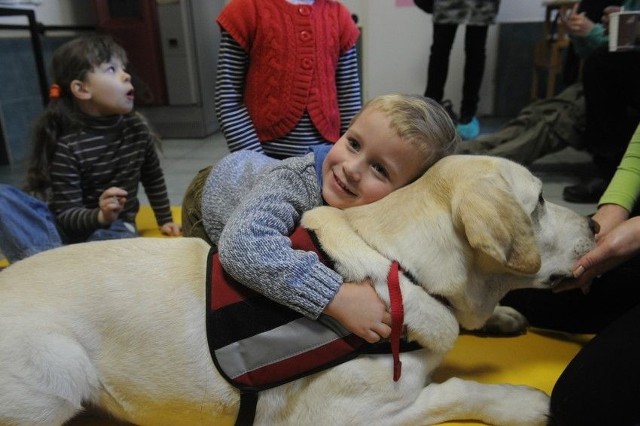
(473, 228)
(499, 207)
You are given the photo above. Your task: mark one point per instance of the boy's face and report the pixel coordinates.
(107, 90)
(368, 162)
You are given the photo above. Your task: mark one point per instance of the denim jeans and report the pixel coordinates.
(27, 226)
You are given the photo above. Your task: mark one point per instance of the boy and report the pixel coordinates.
(249, 204)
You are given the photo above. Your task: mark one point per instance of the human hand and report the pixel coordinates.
(608, 217)
(577, 23)
(359, 309)
(111, 202)
(171, 229)
(612, 249)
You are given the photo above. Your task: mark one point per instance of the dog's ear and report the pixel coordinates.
(496, 225)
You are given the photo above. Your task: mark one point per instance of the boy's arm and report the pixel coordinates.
(360, 310)
(256, 250)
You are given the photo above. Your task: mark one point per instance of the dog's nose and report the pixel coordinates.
(594, 226)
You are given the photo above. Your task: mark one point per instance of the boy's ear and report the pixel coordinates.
(79, 90)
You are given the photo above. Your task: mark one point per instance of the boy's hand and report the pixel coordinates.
(111, 202)
(359, 309)
(171, 229)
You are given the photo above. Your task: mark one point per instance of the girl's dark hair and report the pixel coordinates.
(71, 61)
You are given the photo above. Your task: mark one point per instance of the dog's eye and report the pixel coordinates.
(539, 210)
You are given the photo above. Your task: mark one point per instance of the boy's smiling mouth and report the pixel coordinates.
(341, 185)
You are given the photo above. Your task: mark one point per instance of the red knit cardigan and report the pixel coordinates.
(293, 54)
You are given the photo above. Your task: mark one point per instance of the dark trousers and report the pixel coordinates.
(475, 56)
(601, 385)
(593, 9)
(611, 83)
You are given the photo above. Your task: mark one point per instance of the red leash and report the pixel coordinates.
(397, 317)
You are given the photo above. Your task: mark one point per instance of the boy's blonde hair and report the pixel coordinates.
(420, 121)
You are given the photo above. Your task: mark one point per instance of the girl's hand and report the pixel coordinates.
(577, 23)
(171, 229)
(111, 202)
(359, 309)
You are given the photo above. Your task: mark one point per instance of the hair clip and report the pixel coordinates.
(55, 91)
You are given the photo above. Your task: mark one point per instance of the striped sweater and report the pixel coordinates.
(110, 151)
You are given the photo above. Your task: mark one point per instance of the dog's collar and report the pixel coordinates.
(440, 298)
(397, 312)
(397, 316)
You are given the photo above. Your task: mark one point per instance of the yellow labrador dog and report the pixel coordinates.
(120, 324)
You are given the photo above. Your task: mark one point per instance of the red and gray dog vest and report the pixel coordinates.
(258, 344)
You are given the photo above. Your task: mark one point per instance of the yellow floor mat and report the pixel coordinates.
(146, 221)
(536, 359)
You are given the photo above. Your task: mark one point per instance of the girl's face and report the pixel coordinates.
(368, 162)
(107, 90)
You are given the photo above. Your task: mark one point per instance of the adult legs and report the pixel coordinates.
(612, 101)
(475, 57)
(593, 9)
(611, 87)
(443, 36)
(601, 385)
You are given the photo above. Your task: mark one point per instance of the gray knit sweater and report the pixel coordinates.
(250, 205)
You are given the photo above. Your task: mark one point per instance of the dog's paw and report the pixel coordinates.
(505, 321)
(535, 410)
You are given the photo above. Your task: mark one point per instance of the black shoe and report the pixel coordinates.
(588, 191)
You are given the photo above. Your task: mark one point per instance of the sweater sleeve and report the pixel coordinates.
(255, 248)
(624, 188)
(585, 45)
(154, 184)
(232, 114)
(348, 88)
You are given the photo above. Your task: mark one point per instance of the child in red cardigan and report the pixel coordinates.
(287, 74)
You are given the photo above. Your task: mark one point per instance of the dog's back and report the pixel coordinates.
(62, 327)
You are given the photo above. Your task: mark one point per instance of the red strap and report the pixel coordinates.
(397, 317)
